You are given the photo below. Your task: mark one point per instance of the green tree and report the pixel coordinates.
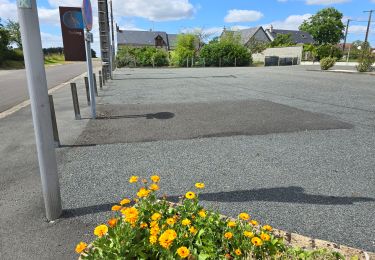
(282, 40)
(4, 43)
(326, 26)
(257, 46)
(186, 48)
(15, 33)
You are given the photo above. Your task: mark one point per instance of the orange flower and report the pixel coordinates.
(156, 216)
(170, 221)
(144, 181)
(130, 214)
(244, 216)
(248, 234)
(154, 187)
(143, 192)
(199, 185)
(190, 195)
(183, 252)
(228, 256)
(193, 230)
(267, 228)
(124, 202)
(133, 179)
(116, 208)
(100, 230)
(231, 224)
(256, 241)
(81, 247)
(254, 222)
(265, 237)
(153, 239)
(153, 223)
(228, 235)
(154, 230)
(143, 225)
(155, 178)
(238, 252)
(202, 213)
(166, 239)
(186, 222)
(112, 222)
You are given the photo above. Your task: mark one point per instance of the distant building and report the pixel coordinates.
(250, 35)
(146, 39)
(298, 37)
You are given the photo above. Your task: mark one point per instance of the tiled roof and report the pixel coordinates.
(297, 36)
(139, 37)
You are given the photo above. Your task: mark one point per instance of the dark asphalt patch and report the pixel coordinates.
(140, 123)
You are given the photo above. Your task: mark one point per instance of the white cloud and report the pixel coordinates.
(154, 10)
(8, 10)
(235, 16)
(49, 16)
(51, 40)
(292, 22)
(326, 2)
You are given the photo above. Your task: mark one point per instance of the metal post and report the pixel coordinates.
(235, 62)
(54, 122)
(113, 38)
(100, 80)
(369, 24)
(187, 62)
(347, 60)
(77, 111)
(346, 35)
(192, 61)
(38, 92)
(95, 85)
(90, 73)
(204, 62)
(220, 62)
(87, 91)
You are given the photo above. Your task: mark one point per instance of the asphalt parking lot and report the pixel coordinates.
(292, 147)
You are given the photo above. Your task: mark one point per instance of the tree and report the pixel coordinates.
(256, 46)
(326, 26)
(185, 49)
(282, 40)
(15, 33)
(4, 42)
(93, 53)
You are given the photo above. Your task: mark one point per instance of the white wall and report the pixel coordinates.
(283, 52)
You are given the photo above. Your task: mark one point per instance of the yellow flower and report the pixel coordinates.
(133, 179)
(154, 187)
(166, 239)
(254, 222)
(100, 230)
(183, 252)
(256, 241)
(190, 195)
(156, 216)
(143, 225)
(267, 228)
(155, 178)
(199, 185)
(155, 230)
(231, 224)
(170, 221)
(265, 237)
(112, 222)
(153, 223)
(193, 230)
(116, 208)
(186, 222)
(244, 216)
(125, 201)
(238, 252)
(153, 239)
(228, 235)
(202, 214)
(81, 247)
(143, 192)
(131, 214)
(248, 234)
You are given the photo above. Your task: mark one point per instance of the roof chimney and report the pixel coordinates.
(271, 28)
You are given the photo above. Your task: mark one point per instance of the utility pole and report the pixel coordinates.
(368, 25)
(113, 37)
(346, 35)
(40, 107)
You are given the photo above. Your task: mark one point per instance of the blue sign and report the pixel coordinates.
(73, 20)
(87, 14)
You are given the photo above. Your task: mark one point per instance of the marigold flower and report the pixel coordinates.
(155, 178)
(228, 235)
(100, 230)
(254, 222)
(256, 241)
(154, 187)
(155, 230)
(199, 185)
(81, 247)
(125, 201)
(166, 239)
(170, 221)
(156, 216)
(267, 228)
(193, 230)
(228, 256)
(112, 222)
(231, 224)
(190, 195)
(265, 237)
(238, 252)
(143, 192)
(153, 239)
(186, 222)
(116, 208)
(143, 225)
(133, 179)
(153, 223)
(183, 252)
(131, 214)
(144, 181)
(244, 216)
(248, 234)
(202, 214)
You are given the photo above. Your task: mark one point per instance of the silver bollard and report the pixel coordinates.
(77, 111)
(87, 90)
(54, 123)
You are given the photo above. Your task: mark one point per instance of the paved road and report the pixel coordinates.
(13, 86)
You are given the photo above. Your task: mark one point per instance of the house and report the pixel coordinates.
(298, 37)
(146, 39)
(249, 35)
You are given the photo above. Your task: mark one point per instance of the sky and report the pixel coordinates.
(175, 16)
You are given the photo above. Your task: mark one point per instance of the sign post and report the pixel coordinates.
(40, 108)
(87, 18)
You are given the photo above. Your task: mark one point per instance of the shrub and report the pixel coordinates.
(154, 229)
(146, 56)
(328, 50)
(327, 63)
(366, 60)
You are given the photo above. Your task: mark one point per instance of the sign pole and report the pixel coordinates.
(37, 86)
(88, 39)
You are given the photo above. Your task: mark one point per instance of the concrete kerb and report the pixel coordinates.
(345, 72)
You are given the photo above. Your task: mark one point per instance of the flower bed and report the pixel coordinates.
(149, 228)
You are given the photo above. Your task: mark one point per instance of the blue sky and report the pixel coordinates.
(176, 16)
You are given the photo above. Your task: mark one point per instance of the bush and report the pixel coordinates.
(327, 63)
(366, 60)
(324, 51)
(155, 229)
(144, 57)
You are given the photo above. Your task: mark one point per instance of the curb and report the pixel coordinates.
(345, 72)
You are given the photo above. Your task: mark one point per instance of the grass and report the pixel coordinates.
(12, 65)
(54, 59)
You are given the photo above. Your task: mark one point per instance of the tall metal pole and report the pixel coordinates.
(113, 36)
(40, 108)
(369, 23)
(88, 40)
(346, 35)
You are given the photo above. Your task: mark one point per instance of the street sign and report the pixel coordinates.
(87, 14)
(24, 4)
